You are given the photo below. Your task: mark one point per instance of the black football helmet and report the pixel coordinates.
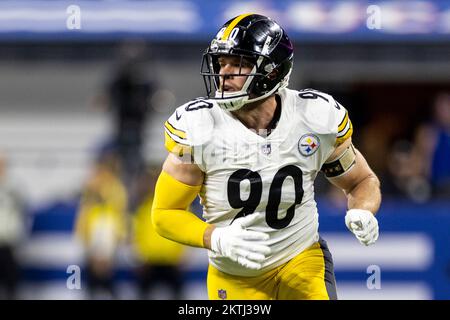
(258, 39)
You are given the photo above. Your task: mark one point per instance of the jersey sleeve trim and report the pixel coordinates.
(345, 133)
(343, 123)
(174, 131)
(174, 146)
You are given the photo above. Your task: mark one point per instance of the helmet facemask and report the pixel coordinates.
(216, 82)
(254, 88)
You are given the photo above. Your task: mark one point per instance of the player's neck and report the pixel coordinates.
(259, 115)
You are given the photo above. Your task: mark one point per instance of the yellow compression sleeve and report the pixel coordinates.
(170, 217)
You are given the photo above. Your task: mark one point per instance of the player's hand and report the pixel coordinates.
(239, 244)
(363, 224)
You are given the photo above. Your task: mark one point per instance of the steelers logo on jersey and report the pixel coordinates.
(308, 144)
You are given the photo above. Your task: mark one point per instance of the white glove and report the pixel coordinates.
(239, 244)
(363, 224)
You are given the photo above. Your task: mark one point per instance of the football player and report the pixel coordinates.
(253, 149)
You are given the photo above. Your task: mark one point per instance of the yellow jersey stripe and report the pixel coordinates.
(174, 146)
(340, 140)
(233, 24)
(344, 130)
(343, 123)
(179, 133)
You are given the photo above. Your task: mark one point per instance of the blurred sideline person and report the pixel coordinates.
(252, 150)
(419, 169)
(129, 92)
(431, 147)
(158, 258)
(12, 231)
(101, 225)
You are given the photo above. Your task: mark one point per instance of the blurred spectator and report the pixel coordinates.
(159, 259)
(129, 93)
(432, 145)
(421, 169)
(12, 230)
(440, 164)
(101, 224)
(407, 175)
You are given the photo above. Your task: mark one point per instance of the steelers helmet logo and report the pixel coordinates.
(308, 144)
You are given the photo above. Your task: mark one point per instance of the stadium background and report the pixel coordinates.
(388, 78)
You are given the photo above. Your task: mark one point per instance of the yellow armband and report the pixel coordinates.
(170, 217)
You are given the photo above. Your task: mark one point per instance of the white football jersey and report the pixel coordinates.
(247, 173)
